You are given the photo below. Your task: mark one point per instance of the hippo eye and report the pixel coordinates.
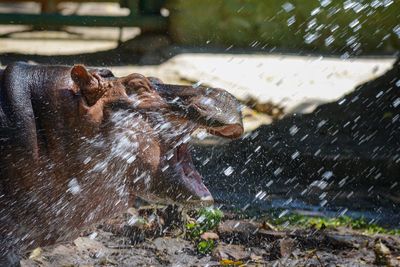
(105, 73)
(137, 86)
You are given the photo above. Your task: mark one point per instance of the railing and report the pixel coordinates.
(143, 14)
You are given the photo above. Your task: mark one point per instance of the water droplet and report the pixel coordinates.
(354, 23)
(295, 154)
(396, 102)
(164, 168)
(312, 23)
(321, 123)
(288, 7)
(291, 20)
(348, 4)
(195, 85)
(310, 37)
(351, 40)
(315, 11)
(186, 139)
(228, 171)
(201, 135)
(278, 171)
(327, 175)
(396, 30)
(201, 219)
(320, 184)
(131, 159)
(345, 55)
(93, 235)
(387, 3)
(293, 130)
(87, 160)
(245, 208)
(325, 3)
(334, 27)
(283, 213)
(329, 40)
(74, 187)
(260, 195)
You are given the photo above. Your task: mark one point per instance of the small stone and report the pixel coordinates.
(346, 240)
(268, 226)
(132, 211)
(36, 253)
(287, 246)
(382, 254)
(85, 243)
(242, 230)
(234, 252)
(255, 257)
(209, 236)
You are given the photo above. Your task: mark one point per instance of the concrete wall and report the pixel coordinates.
(356, 26)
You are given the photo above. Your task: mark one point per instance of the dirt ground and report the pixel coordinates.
(239, 242)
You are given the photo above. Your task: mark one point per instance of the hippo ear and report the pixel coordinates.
(81, 76)
(89, 84)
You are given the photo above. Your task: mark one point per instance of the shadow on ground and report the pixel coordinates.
(344, 158)
(146, 49)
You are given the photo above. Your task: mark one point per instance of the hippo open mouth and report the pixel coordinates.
(210, 109)
(192, 189)
(185, 183)
(190, 176)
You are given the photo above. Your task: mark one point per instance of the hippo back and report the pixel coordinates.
(3, 123)
(2, 116)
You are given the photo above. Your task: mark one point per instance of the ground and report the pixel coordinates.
(238, 242)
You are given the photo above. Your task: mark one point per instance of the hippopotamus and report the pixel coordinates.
(79, 144)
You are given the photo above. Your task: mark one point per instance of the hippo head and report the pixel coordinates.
(161, 117)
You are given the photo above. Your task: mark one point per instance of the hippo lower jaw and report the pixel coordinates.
(191, 178)
(194, 192)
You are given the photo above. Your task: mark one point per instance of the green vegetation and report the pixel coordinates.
(207, 220)
(338, 26)
(205, 246)
(343, 221)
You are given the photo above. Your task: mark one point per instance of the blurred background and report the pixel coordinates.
(291, 55)
(319, 81)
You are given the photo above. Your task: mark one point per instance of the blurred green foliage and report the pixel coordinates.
(354, 26)
(342, 221)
